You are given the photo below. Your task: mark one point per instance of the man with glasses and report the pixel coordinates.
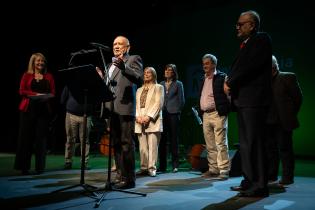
(249, 83)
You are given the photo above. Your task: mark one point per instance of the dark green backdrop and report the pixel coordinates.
(184, 37)
(161, 32)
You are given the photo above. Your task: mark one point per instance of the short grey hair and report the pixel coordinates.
(212, 58)
(275, 62)
(255, 17)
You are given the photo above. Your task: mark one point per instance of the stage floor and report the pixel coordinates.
(182, 190)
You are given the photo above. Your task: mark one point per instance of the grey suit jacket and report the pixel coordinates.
(125, 85)
(174, 100)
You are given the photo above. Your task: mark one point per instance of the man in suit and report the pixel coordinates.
(249, 83)
(214, 109)
(282, 120)
(125, 74)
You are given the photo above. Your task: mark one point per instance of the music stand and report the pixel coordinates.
(87, 87)
(108, 184)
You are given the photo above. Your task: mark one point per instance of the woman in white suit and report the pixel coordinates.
(148, 126)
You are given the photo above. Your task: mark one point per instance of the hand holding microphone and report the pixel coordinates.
(120, 64)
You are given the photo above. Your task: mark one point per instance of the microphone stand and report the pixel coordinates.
(82, 183)
(108, 184)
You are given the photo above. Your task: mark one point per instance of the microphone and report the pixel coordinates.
(98, 45)
(80, 52)
(113, 83)
(196, 115)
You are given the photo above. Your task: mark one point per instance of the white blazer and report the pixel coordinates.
(153, 108)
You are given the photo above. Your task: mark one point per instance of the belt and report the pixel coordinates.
(210, 110)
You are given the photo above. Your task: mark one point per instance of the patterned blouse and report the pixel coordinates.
(143, 97)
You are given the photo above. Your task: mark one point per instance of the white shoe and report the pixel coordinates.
(152, 173)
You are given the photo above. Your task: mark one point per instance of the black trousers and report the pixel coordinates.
(122, 136)
(171, 123)
(280, 148)
(33, 132)
(252, 140)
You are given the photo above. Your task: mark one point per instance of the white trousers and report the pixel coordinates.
(148, 146)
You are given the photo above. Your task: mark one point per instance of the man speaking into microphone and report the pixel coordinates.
(126, 71)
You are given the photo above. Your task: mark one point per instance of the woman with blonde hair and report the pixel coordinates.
(148, 126)
(37, 87)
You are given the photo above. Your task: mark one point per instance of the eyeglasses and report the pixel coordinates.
(240, 24)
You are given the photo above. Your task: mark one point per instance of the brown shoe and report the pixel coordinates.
(223, 176)
(208, 174)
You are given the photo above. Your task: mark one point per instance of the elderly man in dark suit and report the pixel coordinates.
(125, 74)
(282, 120)
(249, 83)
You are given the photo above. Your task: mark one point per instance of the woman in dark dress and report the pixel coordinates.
(37, 87)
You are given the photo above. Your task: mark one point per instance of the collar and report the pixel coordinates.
(211, 76)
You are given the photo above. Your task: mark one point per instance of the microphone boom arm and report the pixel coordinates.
(106, 75)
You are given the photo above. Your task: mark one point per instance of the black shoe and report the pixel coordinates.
(142, 172)
(87, 167)
(68, 166)
(237, 188)
(38, 172)
(254, 193)
(25, 172)
(286, 181)
(272, 181)
(159, 170)
(125, 185)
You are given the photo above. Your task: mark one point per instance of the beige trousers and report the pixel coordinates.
(74, 130)
(215, 135)
(148, 146)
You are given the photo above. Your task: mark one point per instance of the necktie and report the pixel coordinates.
(242, 45)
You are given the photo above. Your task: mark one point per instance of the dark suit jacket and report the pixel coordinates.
(125, 85)
(249, 78)
(287, 100)
(222, 102)
(174, 101)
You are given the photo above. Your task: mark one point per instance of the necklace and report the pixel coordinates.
(38, 77)
(167, 85)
